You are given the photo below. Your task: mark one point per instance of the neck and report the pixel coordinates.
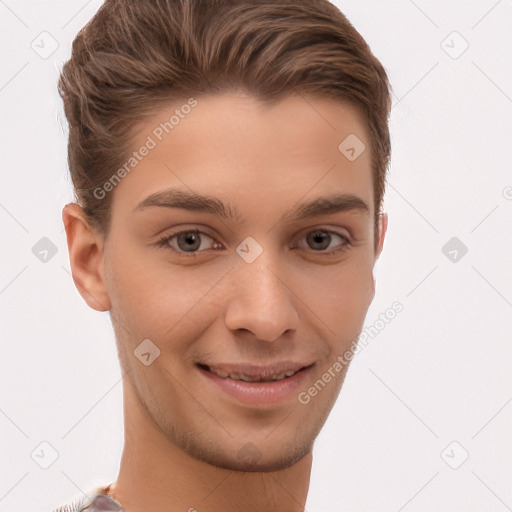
(157, 475)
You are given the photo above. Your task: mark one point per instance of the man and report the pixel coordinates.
(228, 160)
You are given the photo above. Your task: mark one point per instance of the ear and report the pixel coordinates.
(85, 247)
(383, 227)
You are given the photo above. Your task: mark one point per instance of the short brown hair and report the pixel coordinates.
(134, 56)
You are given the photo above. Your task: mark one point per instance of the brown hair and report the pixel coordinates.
(134, 56)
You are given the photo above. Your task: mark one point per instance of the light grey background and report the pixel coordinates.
(439, 373)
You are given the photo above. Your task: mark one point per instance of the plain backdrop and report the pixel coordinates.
(424, 418)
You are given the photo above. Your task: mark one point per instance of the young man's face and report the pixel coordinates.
(213, 300)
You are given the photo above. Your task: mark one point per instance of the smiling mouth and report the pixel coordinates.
(252, 378)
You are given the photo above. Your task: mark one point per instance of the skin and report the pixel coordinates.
(182, 435)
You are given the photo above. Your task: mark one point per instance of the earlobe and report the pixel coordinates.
(85, 247)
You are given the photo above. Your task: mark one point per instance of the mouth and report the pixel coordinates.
(261, 387)
(253, 374)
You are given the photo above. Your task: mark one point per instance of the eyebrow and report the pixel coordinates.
(176, 198)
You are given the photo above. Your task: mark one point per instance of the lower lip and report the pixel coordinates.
(259, 393)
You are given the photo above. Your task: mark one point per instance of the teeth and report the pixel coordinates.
(246, 378)
(249, 379)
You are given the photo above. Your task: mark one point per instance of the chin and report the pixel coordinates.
(251, 459)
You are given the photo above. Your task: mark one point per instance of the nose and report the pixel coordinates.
(262, 301)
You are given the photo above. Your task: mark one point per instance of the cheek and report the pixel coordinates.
(341, 298)
(136, 288)
(156, 300)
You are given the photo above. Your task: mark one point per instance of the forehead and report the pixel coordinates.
(254, 153)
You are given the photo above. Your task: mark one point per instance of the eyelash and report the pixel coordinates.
(164, 242)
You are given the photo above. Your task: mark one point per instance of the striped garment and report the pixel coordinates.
(100, 502)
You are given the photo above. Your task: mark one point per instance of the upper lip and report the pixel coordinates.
(252, 370)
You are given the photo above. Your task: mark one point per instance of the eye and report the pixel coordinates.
(187, 241)
(320, 239)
